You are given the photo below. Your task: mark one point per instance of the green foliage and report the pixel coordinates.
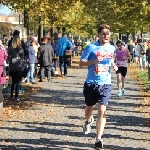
(143, 77)
(82, 17)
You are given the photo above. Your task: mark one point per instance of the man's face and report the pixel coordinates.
(104, 36)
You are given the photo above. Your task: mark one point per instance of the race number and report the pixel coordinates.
(120, 63)
(99, 69)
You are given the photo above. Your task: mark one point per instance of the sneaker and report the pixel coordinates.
(17, 99)
(8, 89)
(56, 72)
(21, 91)
(98, 145)
(119, 94)
(87, 127)
(25, 80)
(34, 82)
(40, 80)
(122, 92)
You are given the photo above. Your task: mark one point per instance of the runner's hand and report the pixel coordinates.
(124, 58)
(115, 67)
(99, 58)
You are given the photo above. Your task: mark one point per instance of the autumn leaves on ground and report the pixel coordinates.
(141, 77)
(12, 108)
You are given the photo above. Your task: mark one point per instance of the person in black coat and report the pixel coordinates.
(16, 33)
(16, 66)
(45, 56)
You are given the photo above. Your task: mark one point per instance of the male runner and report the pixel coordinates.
(97, 87)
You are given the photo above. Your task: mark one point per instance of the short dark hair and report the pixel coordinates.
(119, 42)
(64, 33)
(103, 26)
(45, 39)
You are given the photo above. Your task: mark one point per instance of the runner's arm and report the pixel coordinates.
(113, 62)
(84, 61)
(87, 62)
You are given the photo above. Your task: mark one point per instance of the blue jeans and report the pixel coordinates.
(30, 75)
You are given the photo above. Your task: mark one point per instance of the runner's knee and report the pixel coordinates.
(101, 114)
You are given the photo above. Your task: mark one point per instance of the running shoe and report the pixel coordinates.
(87, 126)
(119, 94)
(98, 145)
(122, 92)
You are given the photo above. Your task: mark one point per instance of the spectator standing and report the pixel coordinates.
(45, 56)
(62, 45)
(16, 66)
(32, 61)
(148, 59)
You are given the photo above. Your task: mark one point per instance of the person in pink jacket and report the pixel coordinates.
(3, 57)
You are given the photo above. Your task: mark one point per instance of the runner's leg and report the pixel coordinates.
(88, 113)
(101, 121)
(119, 81)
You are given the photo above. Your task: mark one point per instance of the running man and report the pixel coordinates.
(122, 55)
(97, 87)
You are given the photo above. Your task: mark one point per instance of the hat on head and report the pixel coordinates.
(16, 32)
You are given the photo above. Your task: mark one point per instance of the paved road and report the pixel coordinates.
(55, 120)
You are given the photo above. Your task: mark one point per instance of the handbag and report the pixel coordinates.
(68, 52)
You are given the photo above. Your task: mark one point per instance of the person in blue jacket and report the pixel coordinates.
(63, 44)
(31, 50)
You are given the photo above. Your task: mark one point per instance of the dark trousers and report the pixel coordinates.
(55, 62)
(45, 70)
(64, 62)
(16, 82)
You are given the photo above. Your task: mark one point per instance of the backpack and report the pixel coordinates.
(16, 60)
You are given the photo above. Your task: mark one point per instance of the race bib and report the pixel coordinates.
(100, 68)
(120, 63)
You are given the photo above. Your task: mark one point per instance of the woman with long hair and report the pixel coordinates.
(16, 66)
